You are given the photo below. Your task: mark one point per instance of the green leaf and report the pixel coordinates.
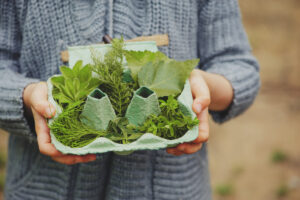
(85, 73)
(93, 82)
(171, 123)
(55, 91)
(158, 72)
(82, 94)
(70, 90)
(64, 92)
(58, 80)
(166, 77)
(62, 98)
(137, 59)
(114, 137)
(76, 85)
(109, 70)
(77, 67)
(84, 85)
(67, 72)
(135, 136)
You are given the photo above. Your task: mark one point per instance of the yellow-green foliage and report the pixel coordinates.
(166, 77)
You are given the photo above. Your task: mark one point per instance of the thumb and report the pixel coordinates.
(200, 91)
(39, 101)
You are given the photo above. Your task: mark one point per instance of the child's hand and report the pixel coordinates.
(37, 105)
(202, 100)
(209, 90)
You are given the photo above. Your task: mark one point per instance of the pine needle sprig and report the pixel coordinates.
(70, 131)
(110, 73)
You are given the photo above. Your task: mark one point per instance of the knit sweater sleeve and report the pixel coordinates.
(12, 82)
(224, 50)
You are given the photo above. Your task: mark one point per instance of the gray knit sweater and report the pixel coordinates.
(32, 34)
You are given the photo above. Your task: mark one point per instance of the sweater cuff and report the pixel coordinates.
(245, 83)
(12, 116)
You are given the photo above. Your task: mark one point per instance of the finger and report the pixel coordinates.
(74, 159)
(191, 148)
(178, 153)
(174, 151)
(200, 91)
(203, 135)
(43, 135)
(188, 148)
(203, 127)
(71, 159)
(39, 101)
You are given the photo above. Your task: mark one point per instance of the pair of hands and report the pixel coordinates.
(35, 100)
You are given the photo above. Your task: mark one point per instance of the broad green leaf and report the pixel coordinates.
(85, 73)
(82, 94)
(166, 77)
(137, 59)
(84, 85)
(93, 83)
(67, 72)
(65, 92)
(77, 67)
(62, 98)
(58, 80)
(147, 74)
(76, 85)
(70, 88)
(55, 91)
(156, 71)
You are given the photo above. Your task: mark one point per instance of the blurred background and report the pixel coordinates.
(257, 155)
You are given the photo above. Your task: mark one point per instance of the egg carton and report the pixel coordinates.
(98, 111)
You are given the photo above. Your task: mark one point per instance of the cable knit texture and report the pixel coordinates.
(32, 34)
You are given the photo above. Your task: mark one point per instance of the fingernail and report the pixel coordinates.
(198, 107)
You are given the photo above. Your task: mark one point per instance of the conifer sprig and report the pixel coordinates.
(110, 71)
